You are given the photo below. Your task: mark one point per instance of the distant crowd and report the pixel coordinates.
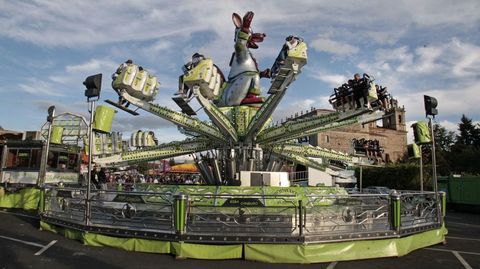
(105, 179)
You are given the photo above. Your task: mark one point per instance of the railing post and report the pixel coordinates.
(300, 219)
(443, 199)
(180, 212)
(395, 213)
(41, 206)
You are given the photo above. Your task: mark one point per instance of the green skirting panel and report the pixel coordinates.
(270, 253)
(342, 251)
(68, 233)
(130, 244)
(25, 198)
(208, 252)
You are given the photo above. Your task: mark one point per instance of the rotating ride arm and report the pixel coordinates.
(309, 126)
(217, 116)
(296, 158)
(286, 74)
(298, 127)
(311, 151)
(177, 118)
(167, 150)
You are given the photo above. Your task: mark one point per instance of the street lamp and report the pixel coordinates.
(93, 86)
(431, 110)
(50, 117)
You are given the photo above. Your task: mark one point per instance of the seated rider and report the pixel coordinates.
(383, 96)
(290, 43)
(121, 100)
(360, 90)
(345, 96)
(182, 88)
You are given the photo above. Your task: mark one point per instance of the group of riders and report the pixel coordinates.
(359, 89)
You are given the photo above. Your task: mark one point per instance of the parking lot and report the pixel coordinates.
(22, 245)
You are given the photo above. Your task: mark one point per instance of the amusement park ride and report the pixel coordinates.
(240, 135)
(221, 219)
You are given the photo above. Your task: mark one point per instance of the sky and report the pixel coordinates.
(49, 47)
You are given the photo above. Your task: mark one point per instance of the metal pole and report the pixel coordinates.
(361, 178)
(90, 151)
(47, 149)
(421, 168)
(434, 161)
(434, 173)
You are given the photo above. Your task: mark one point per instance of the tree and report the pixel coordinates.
(444, 139)
(469, 134)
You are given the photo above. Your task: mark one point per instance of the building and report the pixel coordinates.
(9, 134)
(390, 132)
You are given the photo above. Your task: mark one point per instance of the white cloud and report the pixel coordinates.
(451, 59)
(450, 126)
(92, 66)
(291, 108)
(38, 87)
(334, 47)
(333, 80)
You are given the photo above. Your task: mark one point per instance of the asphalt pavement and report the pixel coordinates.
(23, 245)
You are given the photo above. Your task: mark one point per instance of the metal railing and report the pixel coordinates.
(346, 215)
(245, 217)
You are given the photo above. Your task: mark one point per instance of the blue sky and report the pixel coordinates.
(48, 47)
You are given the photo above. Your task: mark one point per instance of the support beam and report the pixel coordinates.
(168, 150)
(216, 116)
(177, 118)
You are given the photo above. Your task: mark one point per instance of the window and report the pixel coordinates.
(327, 138)
(24, 158)
(52, 159)
(36, 158)
(399, 119)
(72, 161)
(12, 158)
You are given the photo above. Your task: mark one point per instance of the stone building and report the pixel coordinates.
(390, 132)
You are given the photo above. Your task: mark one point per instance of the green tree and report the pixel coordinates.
(469, 134)
(444, 139)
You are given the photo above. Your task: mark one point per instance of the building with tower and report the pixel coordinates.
(390, 132)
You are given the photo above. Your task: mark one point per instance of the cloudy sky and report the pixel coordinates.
(48, 47)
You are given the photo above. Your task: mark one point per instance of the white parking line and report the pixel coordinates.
(45, 248)
(448, 250)
(332, 265)
(462, 224)
(462, 260)
(462, 238)
(18, 214)
(22, 241)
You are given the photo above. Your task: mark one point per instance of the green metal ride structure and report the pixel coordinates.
(240, 135)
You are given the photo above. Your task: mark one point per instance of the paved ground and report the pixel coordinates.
(22, 245)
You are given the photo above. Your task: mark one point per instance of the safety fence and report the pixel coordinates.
(227, 218)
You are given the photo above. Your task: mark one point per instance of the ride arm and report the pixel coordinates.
(299, 159)
(177, 118)
(311, 151)
(313, 125)
(286, 75)
(294, 128)
(163, 151)
(217, 117)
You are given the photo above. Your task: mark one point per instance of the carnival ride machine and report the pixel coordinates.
(240, 135)
(215, 221)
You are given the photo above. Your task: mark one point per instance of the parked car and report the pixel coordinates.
(376, 190)
(352, 190)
